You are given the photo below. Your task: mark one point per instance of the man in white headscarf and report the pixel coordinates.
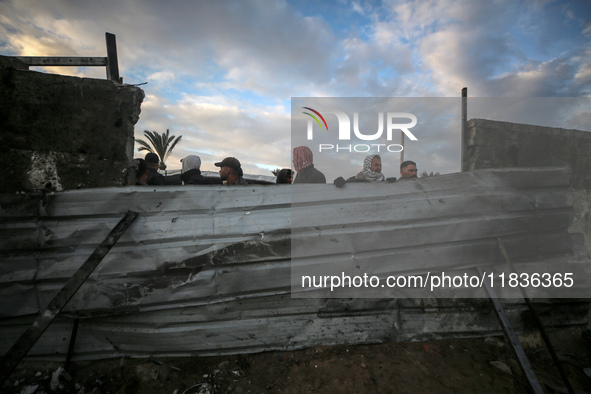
(371, 172)
(191, 171)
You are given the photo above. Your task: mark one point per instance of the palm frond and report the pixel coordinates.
(178, 139)
(143, 145)
(160, 143)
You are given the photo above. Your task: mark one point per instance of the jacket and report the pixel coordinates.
(194, 177)
(155, 178)
(310, 175)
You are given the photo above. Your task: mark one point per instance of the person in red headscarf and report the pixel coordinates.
(303, 162)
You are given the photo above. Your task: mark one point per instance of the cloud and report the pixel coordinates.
(456, 58)
(263, 47)
(217, 126)
(162, 76)
(494, 48)
(222, 73)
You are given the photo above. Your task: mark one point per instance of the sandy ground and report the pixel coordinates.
(478, 365)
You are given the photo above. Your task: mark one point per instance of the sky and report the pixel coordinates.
(223, 73)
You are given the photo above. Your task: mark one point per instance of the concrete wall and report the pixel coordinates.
(494, 144)
(60, 132)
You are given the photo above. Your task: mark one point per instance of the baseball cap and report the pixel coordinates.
(231, 162)
(152, 158)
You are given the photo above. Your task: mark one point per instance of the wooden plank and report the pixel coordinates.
(63, 61)
(110, 61)
(32, 334)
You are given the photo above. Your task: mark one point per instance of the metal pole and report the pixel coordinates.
(402, 144)
(463, 125)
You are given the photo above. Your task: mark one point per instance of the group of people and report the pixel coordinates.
(372, 170)
(303, 161)
(231, 171)
(147, 171)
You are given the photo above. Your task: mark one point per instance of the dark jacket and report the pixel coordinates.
(310, 175)
(361, 178)
(357, 178)
(154, 177)
(241, 181)
(194, 177)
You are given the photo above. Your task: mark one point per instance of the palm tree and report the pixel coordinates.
(162, 144)
(426, 174)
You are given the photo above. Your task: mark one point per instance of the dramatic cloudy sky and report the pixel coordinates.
(222, 73)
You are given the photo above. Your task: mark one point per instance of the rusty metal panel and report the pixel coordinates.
(207, 269)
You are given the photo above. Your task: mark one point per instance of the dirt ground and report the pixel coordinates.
(478, 365)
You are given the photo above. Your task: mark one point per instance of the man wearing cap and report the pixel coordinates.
(154, 177)
(231, 171)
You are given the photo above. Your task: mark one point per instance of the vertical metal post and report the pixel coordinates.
(463, 125)
(402, 144)
(113, 65)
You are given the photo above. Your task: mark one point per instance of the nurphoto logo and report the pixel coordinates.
(392, 120)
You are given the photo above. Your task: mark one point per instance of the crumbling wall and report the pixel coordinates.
(494, 144)
(60, 132)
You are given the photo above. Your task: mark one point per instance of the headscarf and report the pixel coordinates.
(302, 158)
(370, 175)
(191, 162)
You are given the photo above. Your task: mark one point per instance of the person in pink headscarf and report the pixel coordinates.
(303, 162)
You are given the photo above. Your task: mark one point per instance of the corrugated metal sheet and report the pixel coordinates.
(444, 223)
(206, 269)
